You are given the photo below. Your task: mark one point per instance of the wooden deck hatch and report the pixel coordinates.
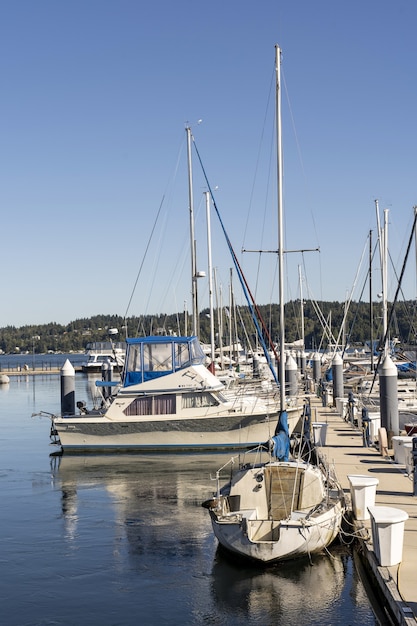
(283, 487)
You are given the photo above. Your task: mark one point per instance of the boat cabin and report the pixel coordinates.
(148, 358)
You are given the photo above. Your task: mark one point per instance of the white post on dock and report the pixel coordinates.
(291, 375)
(107, 377)
(303, 362)
(388, 398)
(67, 389)
(337, 375)
(316, 367)
(255, 366)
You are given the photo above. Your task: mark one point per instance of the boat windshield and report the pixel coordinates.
(157, 356)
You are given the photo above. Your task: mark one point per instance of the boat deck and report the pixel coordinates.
(344, 449)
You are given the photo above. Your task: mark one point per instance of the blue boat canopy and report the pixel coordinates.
(148, 358)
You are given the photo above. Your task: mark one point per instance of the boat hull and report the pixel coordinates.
(277, 511)
(103, 434)
(271, 542)
(170, 401)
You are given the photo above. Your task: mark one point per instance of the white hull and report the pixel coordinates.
(101, 352)
(153, 434)
(270, 542)
(112, 437)
(276, 512)
(170, 401)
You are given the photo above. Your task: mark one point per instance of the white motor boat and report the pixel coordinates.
(100, 352)
(170, 401)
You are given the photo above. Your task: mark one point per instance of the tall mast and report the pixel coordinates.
(385, 283)
(415, 233)
(192, 237)
(301, 307)
(210, 278)
(371, 313)
(280, 229)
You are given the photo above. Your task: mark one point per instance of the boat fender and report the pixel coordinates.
(383, 442)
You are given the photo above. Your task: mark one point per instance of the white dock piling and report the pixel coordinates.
(67, 389)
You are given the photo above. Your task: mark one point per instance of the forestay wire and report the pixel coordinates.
(254, 310)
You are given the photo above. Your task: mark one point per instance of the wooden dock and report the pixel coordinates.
(344, 449)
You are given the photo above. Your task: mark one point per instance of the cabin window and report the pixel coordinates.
(197, 401)
(196, 352)
(134, 364)
(152, 405)
(182, 354)
(157, 357)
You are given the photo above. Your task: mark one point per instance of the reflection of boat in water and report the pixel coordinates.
(120, 532)
(99, 352)
(170, 401)
(146, 491)
(305, 591)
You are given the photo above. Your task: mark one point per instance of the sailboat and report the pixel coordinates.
(282, 508)
(168, 400)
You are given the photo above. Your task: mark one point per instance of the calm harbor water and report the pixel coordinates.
(123, 540)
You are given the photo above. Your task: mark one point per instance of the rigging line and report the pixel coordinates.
(265, 207)
(357, 307)
(149, 240)
(396, 277)
(258, 155)
(298, 145)
(248, 341)
(395, 299)
(249, 297)
(177, 269)
(327, 331)
(144, 256)
(365, 247)
(258, 271)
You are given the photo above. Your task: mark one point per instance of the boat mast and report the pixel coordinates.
(385, 283)
(192, 237)
(280, 228)
(371, 312)
(210, 279)
(301, 307)
(383, 255)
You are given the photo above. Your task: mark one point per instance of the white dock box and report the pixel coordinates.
(409, 458)
(362, 493)
(340, 406)
(319, 433)
(388, 534)
(398, 442)
(374, 426)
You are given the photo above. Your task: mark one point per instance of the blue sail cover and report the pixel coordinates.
(406, 367)
(281, 439)
(148, 358)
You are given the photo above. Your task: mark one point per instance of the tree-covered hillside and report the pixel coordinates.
(322, 325)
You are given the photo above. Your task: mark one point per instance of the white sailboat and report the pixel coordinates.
(279, 509)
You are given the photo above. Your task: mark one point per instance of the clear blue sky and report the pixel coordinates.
(95, 97)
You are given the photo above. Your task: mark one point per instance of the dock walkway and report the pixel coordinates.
(344, 449)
